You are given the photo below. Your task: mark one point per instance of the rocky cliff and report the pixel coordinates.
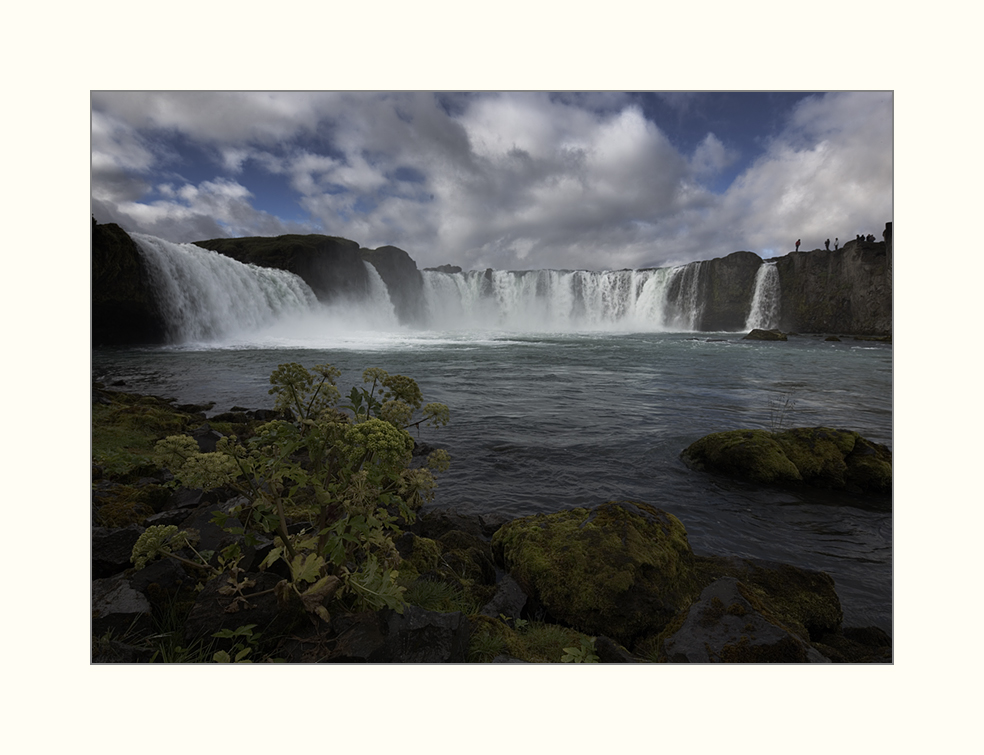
(847, 291)
(402, 278)
(726, 286)
(123, 306)
(843, 291)
(331, 266)
(822, 291)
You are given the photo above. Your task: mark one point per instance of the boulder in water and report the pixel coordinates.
(758, 334)
(820, 456)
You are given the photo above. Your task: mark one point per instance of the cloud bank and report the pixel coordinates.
(502, 180)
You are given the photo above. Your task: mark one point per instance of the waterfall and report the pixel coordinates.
(564, 300)
(205, 295)
(764, 312)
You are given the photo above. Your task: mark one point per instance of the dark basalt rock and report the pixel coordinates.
(757, 334)
(111, 549)
(844, 291)
(402, 278)
(726, 286)
(723, 626)
(330, 265)
(415, 636)
(118, 608)
(124, 310)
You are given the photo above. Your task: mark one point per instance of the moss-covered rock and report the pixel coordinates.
(802, 601)
(727, 625)
(622, 569)
(820, 456)
(753, 455)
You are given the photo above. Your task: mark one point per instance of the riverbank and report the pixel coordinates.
(475, 588)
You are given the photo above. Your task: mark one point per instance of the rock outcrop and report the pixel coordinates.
(844, 291)
(726, 626)
(622, 569)
(757, 334)
(818, 456)
(330, 265)
(124, 310)
(726, 286)
(848, 290)
(402, 278)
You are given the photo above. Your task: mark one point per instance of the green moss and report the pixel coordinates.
(128, 428)
(817, 455)
(818, 452)
(425, 555)
(126, 504)
(750, 454)
(535, 642)
(620, 569)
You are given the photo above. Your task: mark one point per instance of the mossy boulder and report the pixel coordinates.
(729, 625)
(622, 569)
(819, 456)
(804, 602)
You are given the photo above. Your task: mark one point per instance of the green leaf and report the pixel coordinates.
(306, 567)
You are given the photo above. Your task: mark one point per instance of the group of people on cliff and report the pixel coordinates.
(859, 237)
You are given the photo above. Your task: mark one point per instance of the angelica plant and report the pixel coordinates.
(350, 462)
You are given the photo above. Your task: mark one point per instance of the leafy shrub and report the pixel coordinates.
(348, 465)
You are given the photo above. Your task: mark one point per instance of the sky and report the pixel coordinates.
(507, 180)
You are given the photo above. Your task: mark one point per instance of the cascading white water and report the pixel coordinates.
(764, 312)
(206, 296)
(564, 300)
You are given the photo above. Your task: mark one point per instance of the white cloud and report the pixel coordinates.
(828, 174)
(501, 180)
(711, 156)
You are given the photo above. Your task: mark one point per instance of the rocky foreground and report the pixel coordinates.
(615, 583)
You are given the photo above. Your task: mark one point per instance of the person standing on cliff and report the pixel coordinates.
(827, 244)
(836, 243)
(797, 245)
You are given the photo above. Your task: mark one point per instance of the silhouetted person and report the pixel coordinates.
(797, 245)
(827, 244)
(836, 243)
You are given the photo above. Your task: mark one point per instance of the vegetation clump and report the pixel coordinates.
(347, 464)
